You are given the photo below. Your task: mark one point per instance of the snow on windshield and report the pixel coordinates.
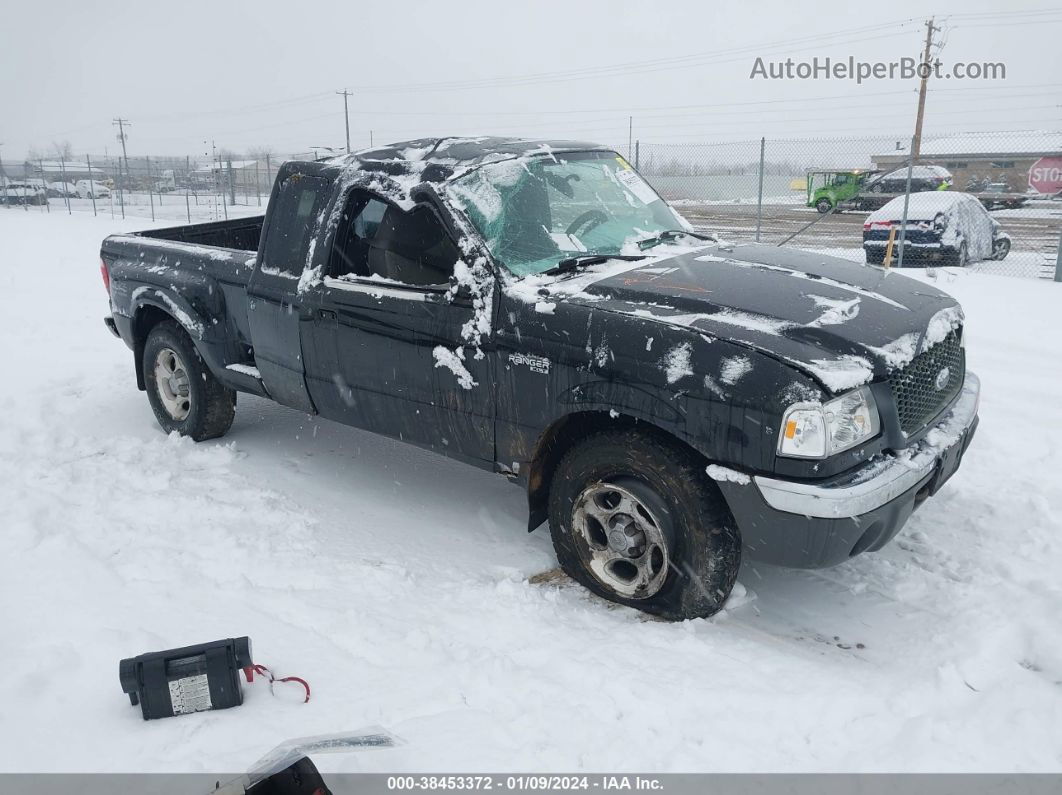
(536, 210)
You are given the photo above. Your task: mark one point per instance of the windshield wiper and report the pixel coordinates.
(671, 234)
(572, 263)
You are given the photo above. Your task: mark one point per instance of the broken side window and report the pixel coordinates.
(379, 240)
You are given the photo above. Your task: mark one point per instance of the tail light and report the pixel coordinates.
(106, 274)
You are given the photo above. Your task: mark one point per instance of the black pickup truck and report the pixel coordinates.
(669, 401)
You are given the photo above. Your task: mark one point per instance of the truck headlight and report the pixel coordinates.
(818, 430)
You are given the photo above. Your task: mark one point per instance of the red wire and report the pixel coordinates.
(261, 669)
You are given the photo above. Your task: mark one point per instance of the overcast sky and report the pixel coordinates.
(264, 73)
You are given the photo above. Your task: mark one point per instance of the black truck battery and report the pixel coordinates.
(190, 679)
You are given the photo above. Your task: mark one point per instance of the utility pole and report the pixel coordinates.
(121, 138)
(92, 183)
(346, 115)
(3, 178)
(916, 145)
(40, 165)
(630, 136)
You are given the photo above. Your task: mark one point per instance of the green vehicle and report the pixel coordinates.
(826, 189)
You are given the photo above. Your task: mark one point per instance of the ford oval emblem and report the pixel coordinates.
(943, 378)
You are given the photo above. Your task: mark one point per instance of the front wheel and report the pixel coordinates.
(637, 521)
(1000, 249)
(184, 394)
(823, 206)
(961, 258)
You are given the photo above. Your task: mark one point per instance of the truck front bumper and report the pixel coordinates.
(817, 524)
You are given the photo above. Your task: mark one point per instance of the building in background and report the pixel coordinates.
(976, 160)
(248, 177)
(66, 171)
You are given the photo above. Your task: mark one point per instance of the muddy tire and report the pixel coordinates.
(183, 393)
(637, 521)
(875, 257)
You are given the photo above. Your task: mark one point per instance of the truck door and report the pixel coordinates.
(274, 307)
(382, 310)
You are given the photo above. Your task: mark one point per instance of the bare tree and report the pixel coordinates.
(62, 149)
(262, 153)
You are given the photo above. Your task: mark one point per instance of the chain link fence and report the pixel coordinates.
(812, 193)
(819, 193)
(161, 188)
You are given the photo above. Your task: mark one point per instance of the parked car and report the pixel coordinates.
(948, 227)
(22, 193)
(923, 178)
(669, 403)
(91, 189)
(62, 190)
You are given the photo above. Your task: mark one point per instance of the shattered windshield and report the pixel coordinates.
(535, 211)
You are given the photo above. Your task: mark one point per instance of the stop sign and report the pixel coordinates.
(1045, 175)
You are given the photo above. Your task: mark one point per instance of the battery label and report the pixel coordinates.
(190, 694)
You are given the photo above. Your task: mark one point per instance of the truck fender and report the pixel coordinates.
(147, 301)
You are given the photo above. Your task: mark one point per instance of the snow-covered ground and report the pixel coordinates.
(174, 207)
(397, 582)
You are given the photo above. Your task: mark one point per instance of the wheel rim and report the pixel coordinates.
(620, 540)
(171, 384)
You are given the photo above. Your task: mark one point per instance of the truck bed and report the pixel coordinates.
(198, 274)
(241, 234)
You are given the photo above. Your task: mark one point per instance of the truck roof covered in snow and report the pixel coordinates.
(451, 154)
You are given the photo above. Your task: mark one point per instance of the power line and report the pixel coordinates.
(660, 64)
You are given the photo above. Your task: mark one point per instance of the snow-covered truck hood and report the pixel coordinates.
(843, 323)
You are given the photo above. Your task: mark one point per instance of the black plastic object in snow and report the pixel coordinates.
(191, 679)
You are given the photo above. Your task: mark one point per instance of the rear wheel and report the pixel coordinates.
(637, 521)
(875, 257)
(183, 393)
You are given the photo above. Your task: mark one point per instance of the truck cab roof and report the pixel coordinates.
(448, 155)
